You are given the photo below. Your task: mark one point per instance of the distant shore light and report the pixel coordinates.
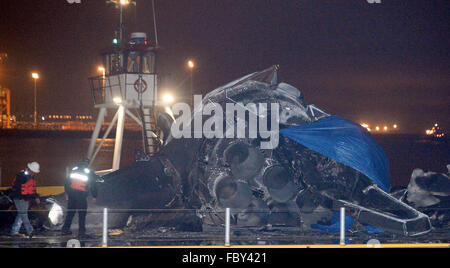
(191, 64)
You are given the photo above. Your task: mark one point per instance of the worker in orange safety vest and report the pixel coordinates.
(22, 192)
(80, 182)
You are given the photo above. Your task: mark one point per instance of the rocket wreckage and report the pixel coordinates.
(265, 178)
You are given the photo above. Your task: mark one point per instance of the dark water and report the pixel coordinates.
(54, 155)
(408, 152)
(405, 153)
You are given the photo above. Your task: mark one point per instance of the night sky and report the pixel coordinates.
(378, 63)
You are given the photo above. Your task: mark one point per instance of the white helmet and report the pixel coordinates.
(34, 167)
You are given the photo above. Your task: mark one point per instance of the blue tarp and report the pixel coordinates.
(346, 142)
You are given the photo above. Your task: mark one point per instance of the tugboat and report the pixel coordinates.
(128, 86)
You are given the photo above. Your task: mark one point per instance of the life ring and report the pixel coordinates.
(140, 82)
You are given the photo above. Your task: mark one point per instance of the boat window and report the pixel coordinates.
(114, 63)
(148, 63)
(134, 61)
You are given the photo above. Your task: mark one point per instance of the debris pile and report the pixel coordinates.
(429, 192)
(276, 186)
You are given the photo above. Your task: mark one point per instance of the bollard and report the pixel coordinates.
(227, 227)
(105, 228)
(342, 242)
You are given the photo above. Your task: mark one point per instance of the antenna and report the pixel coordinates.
(119, 4)
(154, 23)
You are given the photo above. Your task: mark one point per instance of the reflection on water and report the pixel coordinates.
(54, 155)
(108, 145)
(405, 153)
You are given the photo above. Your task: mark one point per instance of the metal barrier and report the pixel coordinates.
(226, 233)
(227, 227)
(105, 228)
(342, 225)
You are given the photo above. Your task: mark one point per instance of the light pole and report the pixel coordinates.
(35, 76)
(102, 70)
(122, 4)
(191, 66)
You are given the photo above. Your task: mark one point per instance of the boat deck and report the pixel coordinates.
(214, 237)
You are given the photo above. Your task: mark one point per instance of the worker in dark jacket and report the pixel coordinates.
(80, 182)
(23, 191)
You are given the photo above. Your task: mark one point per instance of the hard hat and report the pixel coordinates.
(34, 167)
